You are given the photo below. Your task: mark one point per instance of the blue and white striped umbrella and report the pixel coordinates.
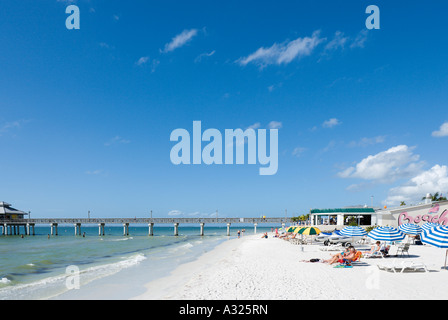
(337, 232)
(429, 225)
(410, 228)
(353, 231)
(437, 237)
(386, 234)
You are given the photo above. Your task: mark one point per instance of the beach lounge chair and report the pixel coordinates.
(332, 247)
(414, 266)
(400, 266)
(376, 254)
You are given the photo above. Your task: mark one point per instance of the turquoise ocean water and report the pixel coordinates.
(35, 267)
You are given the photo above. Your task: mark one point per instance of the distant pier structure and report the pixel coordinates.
(14, 219)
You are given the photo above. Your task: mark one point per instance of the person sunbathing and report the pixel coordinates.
(341, 258)
(375, 248)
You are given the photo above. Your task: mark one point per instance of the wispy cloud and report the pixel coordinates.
(283, 53)
(360, 40)
(116, 140)
(331, 123)
(11, 125)
(254, 126)
(338, 42)
(297, 152)
(204, 55)
(142, 61)
(94, 172)
(275, 125)
(364, 142)
(180, 40)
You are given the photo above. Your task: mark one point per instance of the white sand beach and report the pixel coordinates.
(254, 268)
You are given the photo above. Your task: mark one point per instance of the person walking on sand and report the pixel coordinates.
(238, 234)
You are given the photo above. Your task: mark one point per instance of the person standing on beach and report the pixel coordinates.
(238, 234)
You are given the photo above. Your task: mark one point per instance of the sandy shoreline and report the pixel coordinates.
(271, 269)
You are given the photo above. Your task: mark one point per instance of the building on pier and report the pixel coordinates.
(12, 219)
(9, 213)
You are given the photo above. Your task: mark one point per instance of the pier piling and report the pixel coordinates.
(125, 229)
(202, 229)
(101, 229)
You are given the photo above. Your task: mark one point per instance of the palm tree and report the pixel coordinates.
(402, 203)
(436, 197)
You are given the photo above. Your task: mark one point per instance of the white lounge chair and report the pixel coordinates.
(332, 247)
(376, 254)
(400, 266)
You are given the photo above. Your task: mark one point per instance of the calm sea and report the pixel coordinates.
(35, 267)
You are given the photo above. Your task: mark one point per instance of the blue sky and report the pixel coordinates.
(86, 115)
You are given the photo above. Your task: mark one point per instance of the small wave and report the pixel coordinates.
(57, 284)
(183, 247)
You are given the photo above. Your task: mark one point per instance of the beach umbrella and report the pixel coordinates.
(410, 228)
(291, 229)
(298, 229)
(386, 234)
(353, 231)
(437, 237)
(308, 231)
(429, 225)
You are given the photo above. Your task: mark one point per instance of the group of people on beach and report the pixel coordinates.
(345, 257)
(350, 254)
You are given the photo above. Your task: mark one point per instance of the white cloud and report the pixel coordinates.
(283, 53)
(180, 40)
(331, 123)
(442, 132)
(387, 166)
(430, 181)
(275, 125)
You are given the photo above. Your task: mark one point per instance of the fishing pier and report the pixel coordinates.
(13, 226)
